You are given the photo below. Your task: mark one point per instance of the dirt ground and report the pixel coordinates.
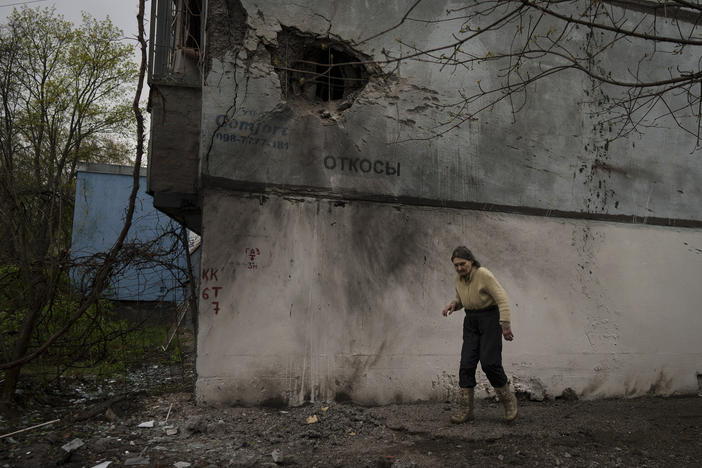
(99, 425)
(632, 432)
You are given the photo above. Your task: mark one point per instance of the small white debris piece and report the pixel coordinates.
(277, 455)
(147, 424)
(104, 464)
(75, 444)
(181, 464)
(312, 419)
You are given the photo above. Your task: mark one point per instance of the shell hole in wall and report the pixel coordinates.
(319, 71)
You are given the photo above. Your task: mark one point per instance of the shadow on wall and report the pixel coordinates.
(370, 258)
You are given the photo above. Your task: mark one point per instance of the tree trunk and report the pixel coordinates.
(9, 385)
(21, 346)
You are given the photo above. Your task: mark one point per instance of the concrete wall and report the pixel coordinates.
(102, 197)
(553, 155)
(320, 299)
(175, 137)
(327, 227)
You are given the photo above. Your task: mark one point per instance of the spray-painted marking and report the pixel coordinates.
(365, 166)
(252, 253)
(209, 275)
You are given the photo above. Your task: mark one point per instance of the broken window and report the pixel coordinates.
(176, 37)
(318, 70)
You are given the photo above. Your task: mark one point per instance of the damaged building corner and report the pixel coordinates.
(302, 304)
(226, 21)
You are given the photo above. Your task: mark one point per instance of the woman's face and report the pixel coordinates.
(462, 265)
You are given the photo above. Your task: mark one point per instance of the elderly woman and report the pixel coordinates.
(487, 320)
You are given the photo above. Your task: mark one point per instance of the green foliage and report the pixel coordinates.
(66, 98)
(98, 344)
(66, 92)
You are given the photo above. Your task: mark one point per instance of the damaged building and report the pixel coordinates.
(329, 199)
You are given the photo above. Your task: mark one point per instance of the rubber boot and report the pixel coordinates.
(465, 406)
(509, 401)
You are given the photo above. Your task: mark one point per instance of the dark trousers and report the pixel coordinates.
(482, 341)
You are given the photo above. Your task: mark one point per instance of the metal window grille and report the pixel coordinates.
(175, 31)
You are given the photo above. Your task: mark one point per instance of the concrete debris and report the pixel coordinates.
(104, 464)
(147, 424)
(537, 391)
(593, 433)
(182, 464)
(533, 388)
(569, 395)
(312, 419)
(137, 461)
(196, 424)
(217, 427)
(111, 415)
(103, 443)
(73, 445)
(170, 430)
(244, 457)
(277, 455)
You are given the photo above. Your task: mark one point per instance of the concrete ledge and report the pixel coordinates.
(257, 190)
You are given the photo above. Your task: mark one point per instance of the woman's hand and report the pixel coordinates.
(507, 333)
(448, 309)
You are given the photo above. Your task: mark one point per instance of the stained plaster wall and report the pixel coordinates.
(309, 299)
(323, 299)
(554, 155)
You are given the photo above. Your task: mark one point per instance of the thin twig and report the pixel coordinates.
(29, 428)
(169, 412)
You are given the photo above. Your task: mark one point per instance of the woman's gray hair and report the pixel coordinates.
(464, 252)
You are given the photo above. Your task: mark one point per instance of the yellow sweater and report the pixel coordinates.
(480, 290)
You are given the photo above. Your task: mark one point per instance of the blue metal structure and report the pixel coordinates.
(102, 197)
